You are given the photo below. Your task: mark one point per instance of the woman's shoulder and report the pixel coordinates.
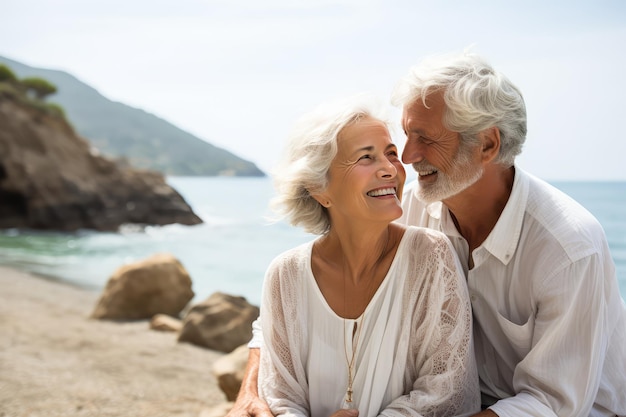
(430, 257)
(291, 261)
(425, 235)
(431, 246)
(294, 253)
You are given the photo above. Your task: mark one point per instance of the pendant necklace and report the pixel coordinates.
(352, 361)
(355, 334)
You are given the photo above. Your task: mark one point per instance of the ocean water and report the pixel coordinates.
(230, 251)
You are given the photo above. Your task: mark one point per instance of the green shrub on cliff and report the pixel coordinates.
(38, 86)
(31, 90)
(6, 75)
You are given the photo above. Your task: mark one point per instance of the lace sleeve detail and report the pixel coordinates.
(282, 378)
(442, 367)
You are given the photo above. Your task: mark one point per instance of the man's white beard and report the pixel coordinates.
(465, 173)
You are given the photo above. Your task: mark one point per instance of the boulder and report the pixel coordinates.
(221, 322)
(52, 179)
(229, 371)
(157, 285)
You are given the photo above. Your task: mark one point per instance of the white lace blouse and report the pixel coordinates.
(414, 355)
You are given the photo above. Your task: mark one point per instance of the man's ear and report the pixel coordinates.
(490, 139)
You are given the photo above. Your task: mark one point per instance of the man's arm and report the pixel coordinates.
(485, 413)
(561, 373)
(248, 403)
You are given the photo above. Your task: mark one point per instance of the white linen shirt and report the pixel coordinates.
(549, 321)
(413, 352)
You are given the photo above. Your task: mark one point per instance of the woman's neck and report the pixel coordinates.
(350, 266)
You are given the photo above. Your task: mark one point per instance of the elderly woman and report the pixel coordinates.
(370, 315)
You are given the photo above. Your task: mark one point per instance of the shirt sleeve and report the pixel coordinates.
(257, 335)
(561, 373)
(441, 344)
(282, 377)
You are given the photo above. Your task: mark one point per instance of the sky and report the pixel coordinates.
(238, 73)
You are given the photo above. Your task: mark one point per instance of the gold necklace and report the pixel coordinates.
(355, 338)
(351, 362)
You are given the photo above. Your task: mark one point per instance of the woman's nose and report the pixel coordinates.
(388, 170)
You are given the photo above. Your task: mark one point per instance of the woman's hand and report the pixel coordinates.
(345, 412)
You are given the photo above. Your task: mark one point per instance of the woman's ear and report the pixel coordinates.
(322, 199)
(490, 139)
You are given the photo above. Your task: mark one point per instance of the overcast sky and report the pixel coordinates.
(237, 73)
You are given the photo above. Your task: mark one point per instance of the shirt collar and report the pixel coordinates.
(434, 210)
(503, 239)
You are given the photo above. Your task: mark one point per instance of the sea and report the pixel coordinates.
(230, 251)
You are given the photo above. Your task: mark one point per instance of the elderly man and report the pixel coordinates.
(549, 321)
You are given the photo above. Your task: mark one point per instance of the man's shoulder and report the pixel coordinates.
(559, 216)
(554, 207)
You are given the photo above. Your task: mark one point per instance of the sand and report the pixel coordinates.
(56, 361)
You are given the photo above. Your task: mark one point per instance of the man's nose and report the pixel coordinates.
(412, 152)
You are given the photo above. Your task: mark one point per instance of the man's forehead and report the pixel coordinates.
(420, 108)
(413, 112)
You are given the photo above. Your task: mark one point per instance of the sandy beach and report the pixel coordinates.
(56, 361)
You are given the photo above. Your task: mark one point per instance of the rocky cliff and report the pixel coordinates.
(51, 179)
(144, 140)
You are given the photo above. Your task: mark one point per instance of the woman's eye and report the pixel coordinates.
(365, 157)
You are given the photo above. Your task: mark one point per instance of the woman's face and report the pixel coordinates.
(366, 176)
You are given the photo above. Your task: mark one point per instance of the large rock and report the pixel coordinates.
(221, 322)
(229, 371)
(157, 285)
(50, 178)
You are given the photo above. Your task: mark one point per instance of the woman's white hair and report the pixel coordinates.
(310, 149)
(477, 97)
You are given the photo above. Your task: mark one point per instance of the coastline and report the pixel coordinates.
(56, 361)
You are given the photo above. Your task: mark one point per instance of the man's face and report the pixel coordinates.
(445, 166)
